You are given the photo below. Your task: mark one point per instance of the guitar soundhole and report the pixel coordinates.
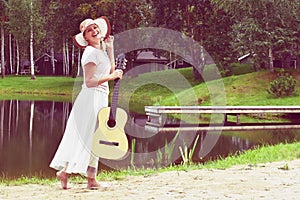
(109, 143)
(111, 123)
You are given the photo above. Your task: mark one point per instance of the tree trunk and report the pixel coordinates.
(271, 64)
(31, 55)
(17, 56)
(198, 70)
(202, 61)
(31, 46)
(10, 54)
(67, 59)
(2, 123)
(73, 58)
(64, 57)
(2, 53)
(14, 54)
(52, 60)
(78, 63)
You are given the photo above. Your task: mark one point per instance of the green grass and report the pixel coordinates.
(241, 68)
(177, 87)
(42, 88)
(247, 89)
(264, 154)
(171, 87)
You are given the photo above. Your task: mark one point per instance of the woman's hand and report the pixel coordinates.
(116, 74)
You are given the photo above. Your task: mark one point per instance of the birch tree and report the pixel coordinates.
(25, 23)
(2, 21)
(2, 52)
(64, 24)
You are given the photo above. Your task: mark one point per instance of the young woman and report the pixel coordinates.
(74, 152)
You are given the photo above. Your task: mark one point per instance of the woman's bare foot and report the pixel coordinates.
(95, 185)
(63, 177)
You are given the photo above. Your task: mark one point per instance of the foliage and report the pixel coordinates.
(264, 28)
(240, 68)
(224, 28)
(283, 86)
(19, 21)
(123, 15)
(187, 155)
(210, 26)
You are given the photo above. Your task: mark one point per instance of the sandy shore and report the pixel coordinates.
(264, 181)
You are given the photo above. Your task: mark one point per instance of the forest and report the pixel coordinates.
(268, 30)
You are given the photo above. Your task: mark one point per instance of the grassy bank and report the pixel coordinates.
(42, 88)
(280, 152)
(244, 89)
(155, 88)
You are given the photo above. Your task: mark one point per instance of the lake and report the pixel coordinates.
(30, 132)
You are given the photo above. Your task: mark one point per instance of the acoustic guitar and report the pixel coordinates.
(110, 140)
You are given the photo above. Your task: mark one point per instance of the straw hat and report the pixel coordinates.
(101, 22)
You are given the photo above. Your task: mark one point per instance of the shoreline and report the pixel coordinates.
(273, 180)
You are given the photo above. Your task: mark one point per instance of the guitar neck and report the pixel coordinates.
(114, 100)
(120, 65)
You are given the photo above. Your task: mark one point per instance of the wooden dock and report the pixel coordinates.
(157, 117)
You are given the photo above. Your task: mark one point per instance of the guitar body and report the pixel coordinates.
(110, 142)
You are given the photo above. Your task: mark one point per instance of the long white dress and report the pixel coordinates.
(74, 150)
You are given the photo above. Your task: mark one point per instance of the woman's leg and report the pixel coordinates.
(92, 172)
(63, 177)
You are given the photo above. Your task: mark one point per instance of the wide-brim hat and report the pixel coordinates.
(101, 22)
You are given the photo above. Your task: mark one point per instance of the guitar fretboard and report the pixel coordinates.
(114, 100)
(120, 64)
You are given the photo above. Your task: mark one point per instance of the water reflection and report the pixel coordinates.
(30, 132)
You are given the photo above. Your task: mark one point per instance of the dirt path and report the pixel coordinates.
(264, 181)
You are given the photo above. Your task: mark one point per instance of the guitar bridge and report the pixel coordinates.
(109, 143)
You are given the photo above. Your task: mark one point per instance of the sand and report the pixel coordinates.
(262, 181)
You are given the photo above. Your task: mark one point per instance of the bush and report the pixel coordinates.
(283, 86)
(241, 68)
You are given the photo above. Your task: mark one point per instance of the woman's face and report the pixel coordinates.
(92, 34)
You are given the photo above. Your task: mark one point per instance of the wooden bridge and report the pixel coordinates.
(157, 117)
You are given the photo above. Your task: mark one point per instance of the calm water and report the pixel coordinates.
(30, 132)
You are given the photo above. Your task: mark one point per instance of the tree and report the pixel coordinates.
(264, 27)
(210, 26)
(62, 15)
(123, 16)
(25, 26)
(2, 21)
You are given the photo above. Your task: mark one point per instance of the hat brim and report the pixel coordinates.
(105, 29)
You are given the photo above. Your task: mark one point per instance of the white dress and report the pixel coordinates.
(74, 150)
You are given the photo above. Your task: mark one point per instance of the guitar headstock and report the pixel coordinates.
(121, 61)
